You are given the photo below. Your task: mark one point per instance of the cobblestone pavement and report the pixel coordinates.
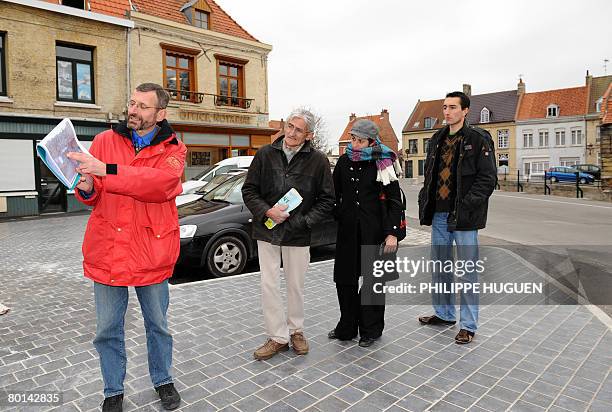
(524, 357)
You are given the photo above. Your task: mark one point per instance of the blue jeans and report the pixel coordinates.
(111, 305)
(442, 250)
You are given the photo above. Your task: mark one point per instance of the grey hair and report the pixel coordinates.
(162, 96)
(304, 114)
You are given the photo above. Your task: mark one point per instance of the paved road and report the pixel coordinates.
(540, 220)
(570, 239)
(542, 357)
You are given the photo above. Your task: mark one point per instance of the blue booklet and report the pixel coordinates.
(53, 150)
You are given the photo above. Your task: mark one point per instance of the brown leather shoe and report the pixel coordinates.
(269, 349)
(464, 336)
(298, 341)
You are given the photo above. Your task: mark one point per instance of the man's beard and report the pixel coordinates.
(142, 124)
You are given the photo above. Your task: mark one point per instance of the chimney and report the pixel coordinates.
(384, 113)
(467, 89)
(520, 88)
(589, 79)
(352, 117)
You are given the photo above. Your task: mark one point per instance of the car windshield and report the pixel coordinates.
(214, 182)
(228, 191)
(203, 172)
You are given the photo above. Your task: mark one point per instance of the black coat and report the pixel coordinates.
(270, 177)
(475, 177)
(360, 214)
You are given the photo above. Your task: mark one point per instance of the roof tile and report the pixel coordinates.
(425, 109)
(220, 21)
(169, 9)
(607, 106)
(571, 101)
(501, 105)
(598, 88)
(117, 8)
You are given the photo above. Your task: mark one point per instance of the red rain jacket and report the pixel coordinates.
(132, 237)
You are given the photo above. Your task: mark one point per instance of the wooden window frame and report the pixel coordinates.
(3, 68)
(178, 52)
(74, 63)
(240, 64)
(204, 12)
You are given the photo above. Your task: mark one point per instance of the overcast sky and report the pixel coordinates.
(341, 57)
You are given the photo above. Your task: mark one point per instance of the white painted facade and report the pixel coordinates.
(549, 142)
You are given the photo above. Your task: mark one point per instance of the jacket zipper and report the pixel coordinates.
(459, 166)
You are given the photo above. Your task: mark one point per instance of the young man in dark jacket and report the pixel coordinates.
(460, 175)
(289, 162)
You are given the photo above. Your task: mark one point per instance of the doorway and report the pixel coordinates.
(51, 192)
(408, 168)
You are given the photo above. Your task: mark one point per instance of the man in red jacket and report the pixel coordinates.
(132, 239)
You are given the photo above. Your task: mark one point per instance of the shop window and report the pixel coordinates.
(198, 158)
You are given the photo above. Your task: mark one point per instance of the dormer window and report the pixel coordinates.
(201, 19)
(198, 13)
(484, 115)
(552, 111)
(429, 122)
(77, 4)
(598, 104)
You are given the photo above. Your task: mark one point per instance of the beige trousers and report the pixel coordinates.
(295, 264)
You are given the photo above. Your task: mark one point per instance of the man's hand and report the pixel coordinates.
(278, 214)
(86, 184)
(89, 165)
(390, 244)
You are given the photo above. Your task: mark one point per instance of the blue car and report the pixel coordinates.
(568, 174)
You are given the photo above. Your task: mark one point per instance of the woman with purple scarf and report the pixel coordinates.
(369, 213)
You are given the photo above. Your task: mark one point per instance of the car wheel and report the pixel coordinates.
(227, 256)
(554, 179)
(583, 181)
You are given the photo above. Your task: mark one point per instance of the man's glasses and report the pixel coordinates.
(291, 127)
(140, 106)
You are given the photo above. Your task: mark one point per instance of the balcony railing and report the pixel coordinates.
(218, 100)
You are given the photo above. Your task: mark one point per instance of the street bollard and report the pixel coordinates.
(579, 193)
